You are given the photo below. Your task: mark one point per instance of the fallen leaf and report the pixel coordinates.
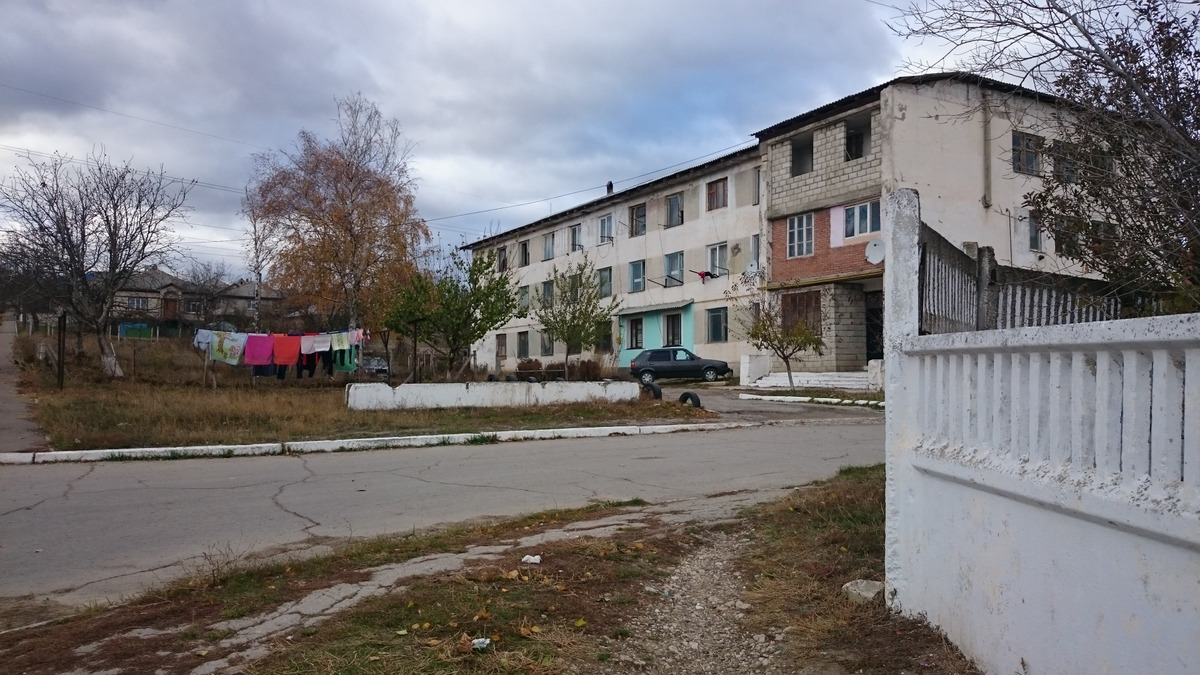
(202, 652)
(580, 623)
(512, 575)
(401, 632)
(416, 626)
(454, 624)
(372, 658)
(536, 629)
(482, 614)
(425, 626)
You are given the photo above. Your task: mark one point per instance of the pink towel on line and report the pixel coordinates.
(258, 349)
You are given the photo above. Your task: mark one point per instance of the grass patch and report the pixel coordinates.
(162, 404)
(806, 547)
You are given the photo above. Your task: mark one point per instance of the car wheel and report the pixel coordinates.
(710, 374)
(646, 377)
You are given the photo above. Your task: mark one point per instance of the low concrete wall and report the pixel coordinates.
(379, 396)
(875, 374)
(753, 367)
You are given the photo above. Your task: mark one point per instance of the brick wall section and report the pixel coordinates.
(833, 180)
(825, 260)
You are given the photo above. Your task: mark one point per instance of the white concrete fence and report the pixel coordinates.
(1044, 484)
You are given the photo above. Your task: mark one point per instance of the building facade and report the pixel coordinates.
(668, 250)
(971, 147)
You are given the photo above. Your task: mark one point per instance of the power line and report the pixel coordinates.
(134, 117)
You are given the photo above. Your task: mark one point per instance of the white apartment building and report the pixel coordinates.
(668, 250)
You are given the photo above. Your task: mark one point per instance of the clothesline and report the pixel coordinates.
(261, 349)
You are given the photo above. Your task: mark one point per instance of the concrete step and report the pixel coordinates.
(779, 380)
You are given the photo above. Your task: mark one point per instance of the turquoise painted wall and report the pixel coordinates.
(652, 334)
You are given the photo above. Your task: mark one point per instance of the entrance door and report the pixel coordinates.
(874, 324)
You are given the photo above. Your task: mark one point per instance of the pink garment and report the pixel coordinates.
(287, 349)
(258, 349)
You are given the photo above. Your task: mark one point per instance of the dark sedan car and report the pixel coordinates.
(675, 362)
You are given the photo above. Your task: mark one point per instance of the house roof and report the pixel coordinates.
(153, 279)
(868, 95)
(615, 197)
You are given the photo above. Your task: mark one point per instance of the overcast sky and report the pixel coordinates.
(509, 101)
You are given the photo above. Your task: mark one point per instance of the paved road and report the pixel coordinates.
(87, 532)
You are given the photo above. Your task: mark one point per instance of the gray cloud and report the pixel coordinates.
(509, 102)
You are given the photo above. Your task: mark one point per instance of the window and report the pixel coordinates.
(576, 237)
(674, 209)
(523, 253)
(637, 276)
(757, 184)
(718, 324)
(502, 259)
(800, 235)
(548, 293)
(637, 220)
(604, 277)
(548, 246)
(718, 259)
(858, 137)
(718, 194)
(755, 251)
(574, 287)
(862, 218)
(501, 345)
(1066, 161)
(804, 307)
(547, 344)
(635, 333)
(138, 303)
(195, 306)
(604, 343)
(1035, 233)
(673, 330)
(606, 231)
(802, 155)
(523, 297)
(523, 344)
(1026, 153)
(673, 265)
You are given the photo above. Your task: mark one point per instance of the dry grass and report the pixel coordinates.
(161, 402)
(810, 544)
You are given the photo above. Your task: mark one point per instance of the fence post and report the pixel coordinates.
(987, 306)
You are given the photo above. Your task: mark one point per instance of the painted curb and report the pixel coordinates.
(357, 444)
(811, 399)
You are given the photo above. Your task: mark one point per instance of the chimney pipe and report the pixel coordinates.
(610, 187)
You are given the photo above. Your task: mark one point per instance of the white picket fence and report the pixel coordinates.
(1044, 484)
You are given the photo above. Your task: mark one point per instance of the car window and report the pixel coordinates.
(682, 355)
(660, 355)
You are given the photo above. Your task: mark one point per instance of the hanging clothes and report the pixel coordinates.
(258, 350)
(286, 349)
(227, 347)
(321, 343)
(308, 344)
(202, 339)
(339, 341)
(345, 361)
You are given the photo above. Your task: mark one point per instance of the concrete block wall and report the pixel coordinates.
(833, 180)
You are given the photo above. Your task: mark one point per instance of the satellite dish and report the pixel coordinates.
(876, 249)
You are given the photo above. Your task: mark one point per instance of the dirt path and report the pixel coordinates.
(18, 433)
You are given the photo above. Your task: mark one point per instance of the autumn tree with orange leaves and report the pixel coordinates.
(340, 217)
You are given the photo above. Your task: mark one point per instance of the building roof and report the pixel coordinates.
(615, 197)
(868, 95)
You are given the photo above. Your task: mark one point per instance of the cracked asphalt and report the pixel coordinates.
(93, 532)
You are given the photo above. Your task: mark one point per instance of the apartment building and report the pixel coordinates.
(970, 146)
(667, 249)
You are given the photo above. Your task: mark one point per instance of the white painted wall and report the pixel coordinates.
(1043, 493)
(754, 366)
(380, 396)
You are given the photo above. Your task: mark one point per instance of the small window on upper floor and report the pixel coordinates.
(757, 184)
(1027, 153)
(523, 253)
(637, 220)
(548, 246)
(1035, 234)
(576, 237)
(862, 218)
(674, 209)
(802, 155)
(858, 137)
(718, 194)
(606, 229)
(502, 259)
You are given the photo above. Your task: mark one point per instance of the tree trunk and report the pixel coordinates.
(108, 356)
(787, 363)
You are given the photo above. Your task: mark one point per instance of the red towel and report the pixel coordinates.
(258, 350)
(287, 349)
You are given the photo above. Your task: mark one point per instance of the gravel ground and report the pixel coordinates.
(694, 628)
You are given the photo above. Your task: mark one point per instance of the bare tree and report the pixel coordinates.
(1120, 191)
(760, 317)
(79, 232)
(343, 213)
(260, 246)
(206, 280)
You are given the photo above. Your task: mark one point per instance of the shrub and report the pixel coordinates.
(587, 371)
(555, 370)
(529, 366)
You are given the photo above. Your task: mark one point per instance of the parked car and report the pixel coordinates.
(375, 365)
(653, 364)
